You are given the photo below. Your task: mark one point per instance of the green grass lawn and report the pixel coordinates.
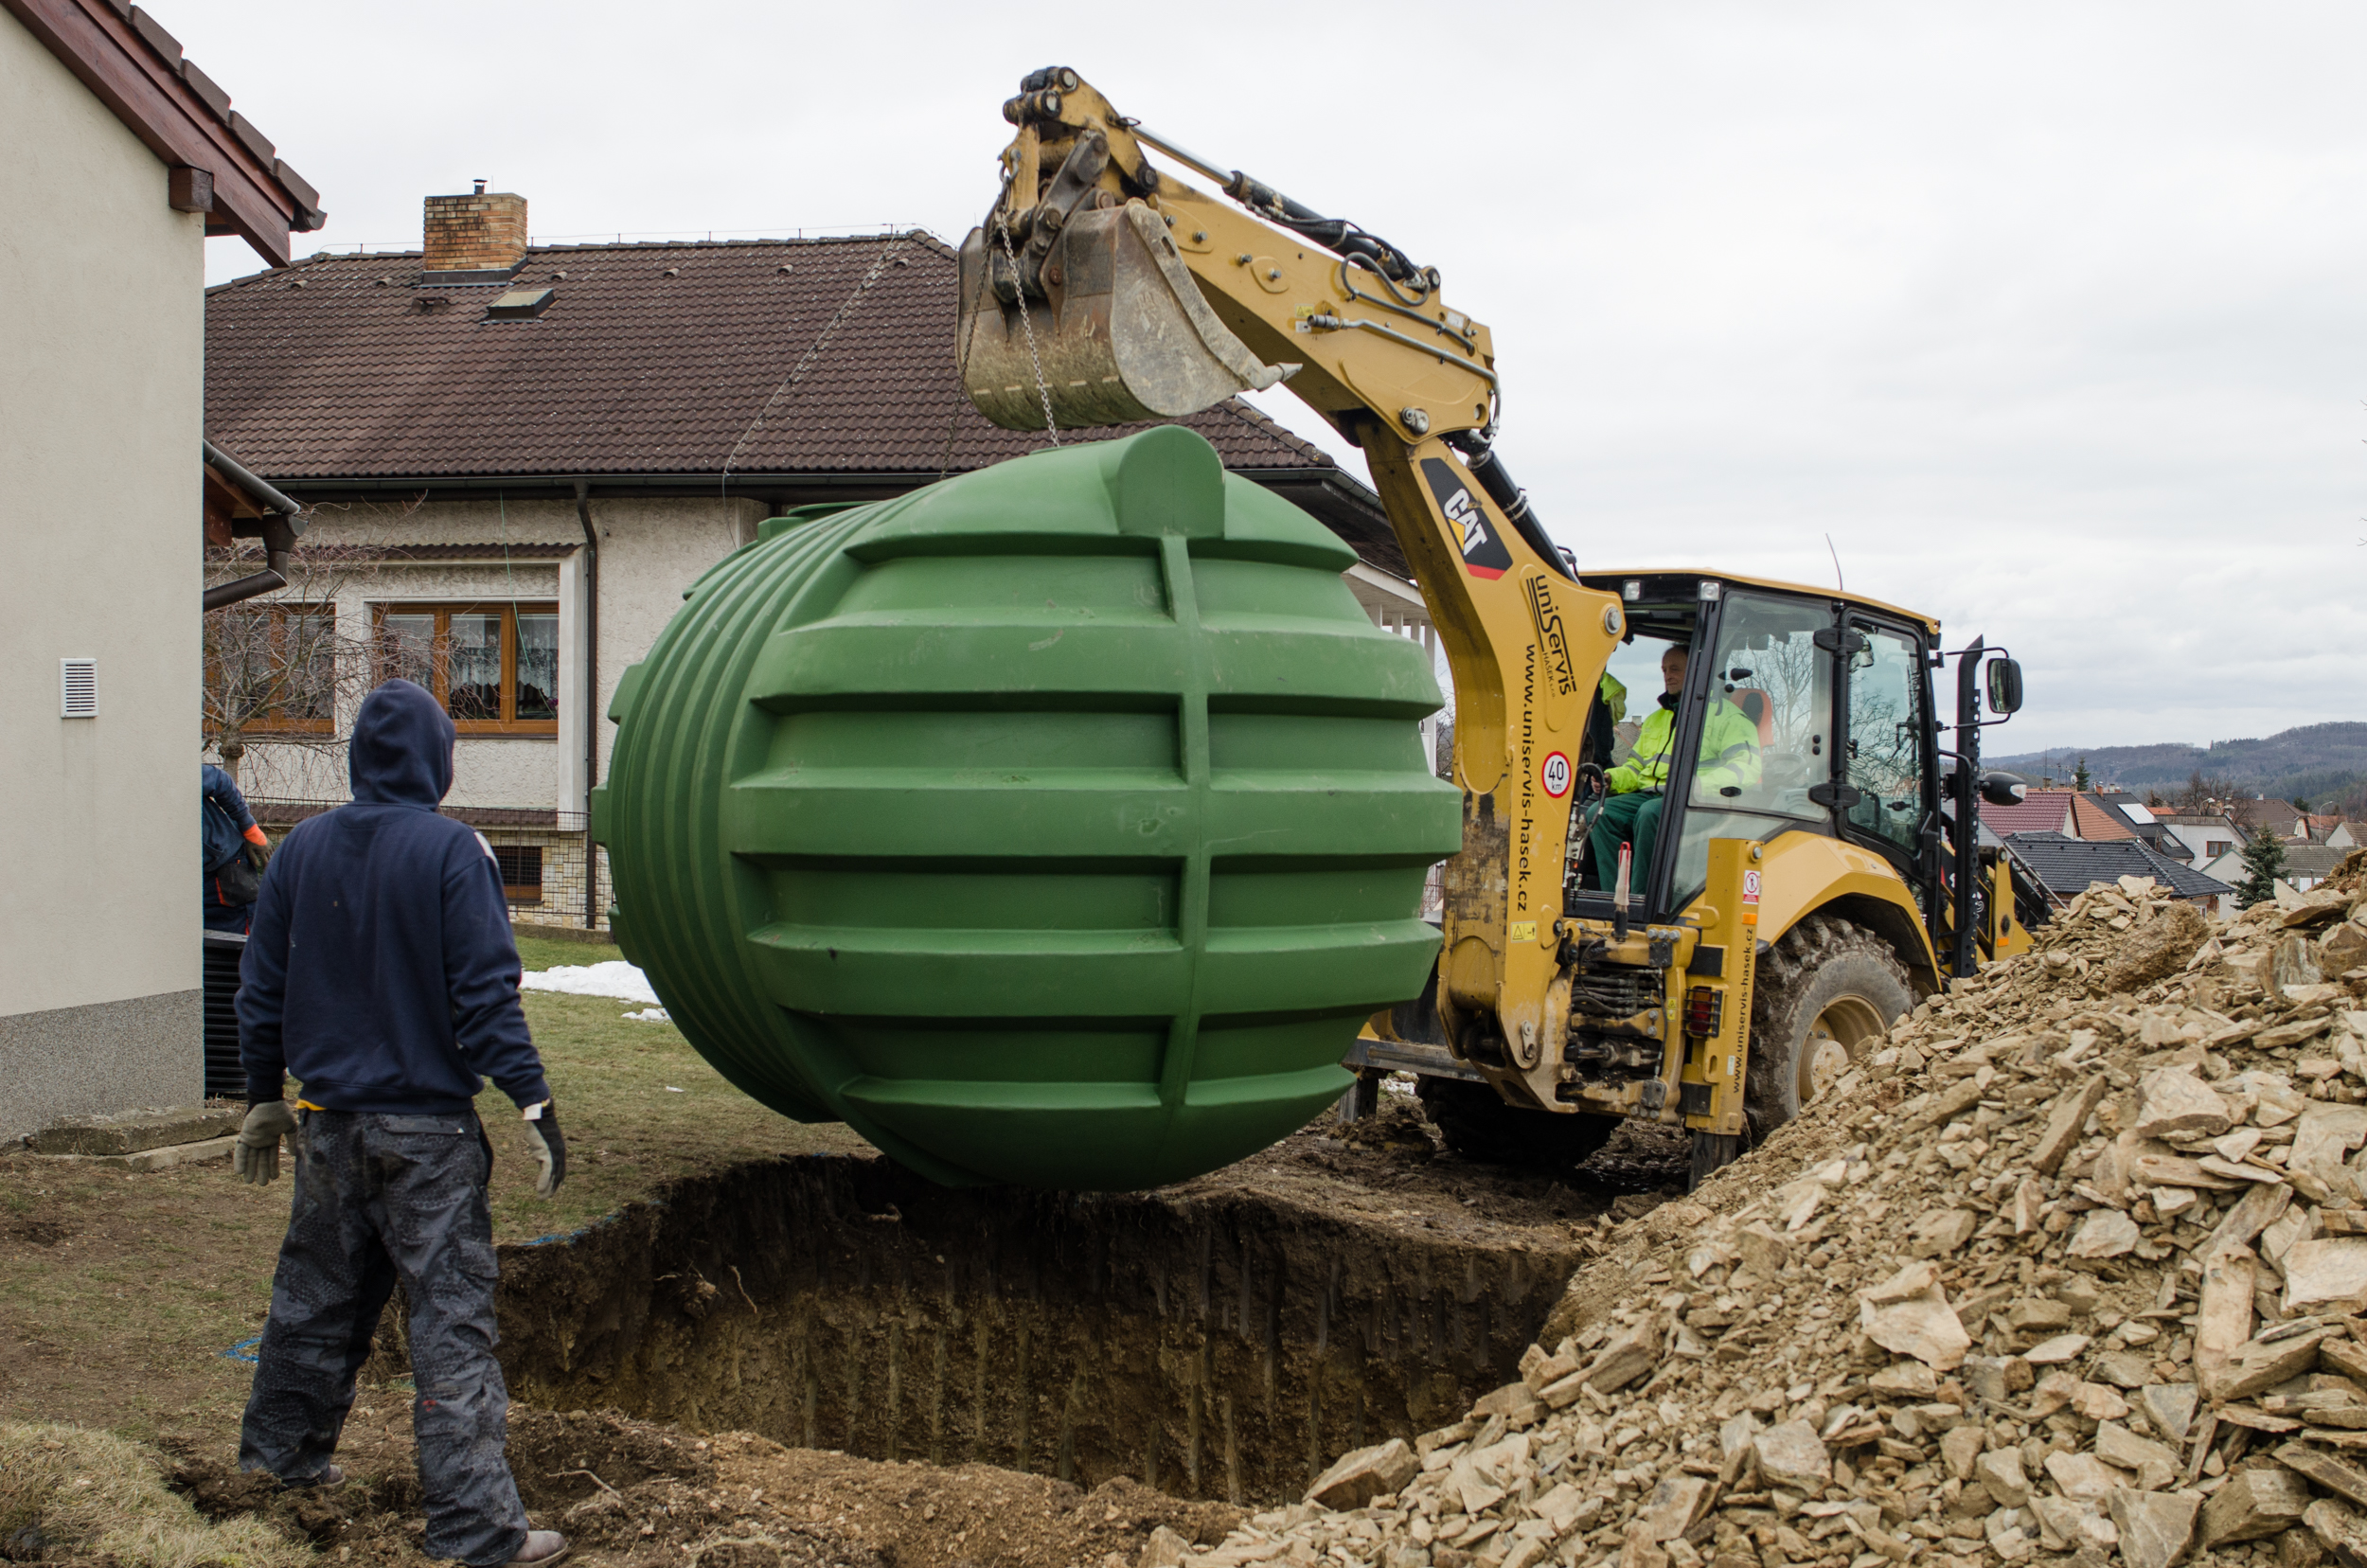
(639, 1107)
(120, 1293)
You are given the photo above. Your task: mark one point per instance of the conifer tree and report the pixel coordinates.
(2264, 863)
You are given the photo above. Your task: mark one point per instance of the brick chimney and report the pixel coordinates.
(479, 232)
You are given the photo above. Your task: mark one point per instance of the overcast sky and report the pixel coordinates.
(2051, 317)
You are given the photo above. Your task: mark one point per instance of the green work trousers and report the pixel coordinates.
(1624, 819)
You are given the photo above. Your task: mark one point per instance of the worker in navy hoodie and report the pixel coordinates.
(382, 974)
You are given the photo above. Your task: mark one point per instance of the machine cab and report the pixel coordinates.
(1798, 711)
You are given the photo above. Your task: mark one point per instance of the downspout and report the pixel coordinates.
(591, 696)
(278, 531)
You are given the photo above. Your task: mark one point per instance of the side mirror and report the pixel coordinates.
(2002, 789)
(2005, 677)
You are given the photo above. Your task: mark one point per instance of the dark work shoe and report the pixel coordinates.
(541, 1546)
(330, 1475)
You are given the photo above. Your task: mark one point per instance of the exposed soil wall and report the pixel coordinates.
(1212, 1344)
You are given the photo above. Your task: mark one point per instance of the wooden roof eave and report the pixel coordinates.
(108, 56)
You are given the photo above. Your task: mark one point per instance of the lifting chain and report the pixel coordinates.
(1043, 388)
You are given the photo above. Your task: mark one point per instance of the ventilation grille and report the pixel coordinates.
(78, 689)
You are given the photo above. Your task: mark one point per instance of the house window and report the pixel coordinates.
(494, 666)
(2212, 849)
(271, 669)
(522, 871)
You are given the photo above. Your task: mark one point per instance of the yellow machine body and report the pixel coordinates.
(1104, 289)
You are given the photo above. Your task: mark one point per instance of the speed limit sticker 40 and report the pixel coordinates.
(1555, 775)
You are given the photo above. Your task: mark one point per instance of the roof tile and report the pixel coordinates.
(786, 356)
(2041, 810)
(2095, 824)
(2068, 865)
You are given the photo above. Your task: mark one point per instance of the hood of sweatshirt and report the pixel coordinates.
(401, 750)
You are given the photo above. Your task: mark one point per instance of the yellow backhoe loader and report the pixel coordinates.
(1701, 918)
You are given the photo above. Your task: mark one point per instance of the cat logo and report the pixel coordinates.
(1484, 552)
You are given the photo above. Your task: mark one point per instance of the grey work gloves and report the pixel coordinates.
(548, 1146)
(255, 1155)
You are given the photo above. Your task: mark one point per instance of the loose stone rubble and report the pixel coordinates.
(2071, 1268)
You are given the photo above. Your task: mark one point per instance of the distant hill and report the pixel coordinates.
(2314, 761)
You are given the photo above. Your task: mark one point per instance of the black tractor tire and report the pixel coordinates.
(1478, 1125)
(1826, 993)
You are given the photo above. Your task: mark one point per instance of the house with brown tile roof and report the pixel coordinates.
(121, 157)
(538, 447)
(2282, 817)
(2038, 812)
(2096, 822)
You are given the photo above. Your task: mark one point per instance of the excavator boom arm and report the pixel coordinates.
(1102, 289)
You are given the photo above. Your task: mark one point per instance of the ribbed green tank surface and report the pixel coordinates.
(1057, 824)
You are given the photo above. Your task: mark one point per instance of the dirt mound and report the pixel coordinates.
(638, 1493)
(2073, 1265)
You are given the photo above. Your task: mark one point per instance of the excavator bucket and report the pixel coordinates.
(1120, 335)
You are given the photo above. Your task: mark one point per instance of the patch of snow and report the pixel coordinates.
(615, 978)
(652, 1015)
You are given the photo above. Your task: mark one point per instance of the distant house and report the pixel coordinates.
(2305, 865)
(526, 452)
(2066, 865)
(2038, 812)
(2099, 822)
(2282, 817)
(2095, 816)
(2126, 809)
(2347, 836)
(2205, 835)
(121, 158)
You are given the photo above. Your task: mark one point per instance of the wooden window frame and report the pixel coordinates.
(273, 722)
(439, 664)
(516, 892)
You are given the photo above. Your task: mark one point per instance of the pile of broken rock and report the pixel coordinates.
(2072, 1266)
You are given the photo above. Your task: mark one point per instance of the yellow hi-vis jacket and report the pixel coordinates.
(1730, 751)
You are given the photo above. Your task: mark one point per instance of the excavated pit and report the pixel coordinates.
(1211, 1341)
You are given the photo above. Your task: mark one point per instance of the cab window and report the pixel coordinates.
(1883, 756)
(1767, 737)
(1625, 697)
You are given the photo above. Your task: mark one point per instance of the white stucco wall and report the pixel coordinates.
(651, 551)
(2199, 838)
(102, 389)
(506, 771)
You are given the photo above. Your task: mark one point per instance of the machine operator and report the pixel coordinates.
(1730, 759)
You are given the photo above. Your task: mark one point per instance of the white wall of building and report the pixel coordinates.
(2208, 840)
(651, 551)
(102, 387)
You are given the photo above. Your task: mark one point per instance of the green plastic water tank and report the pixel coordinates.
(1057, 824)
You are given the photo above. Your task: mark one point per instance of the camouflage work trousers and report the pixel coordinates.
(382, 1199)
